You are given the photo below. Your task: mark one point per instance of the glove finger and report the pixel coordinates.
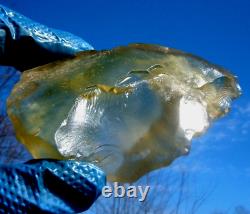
(29, 44)
(49, 186)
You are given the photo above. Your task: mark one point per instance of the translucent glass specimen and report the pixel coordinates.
(129, 110)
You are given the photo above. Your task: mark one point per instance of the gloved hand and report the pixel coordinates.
(40, 186)
(26, 44)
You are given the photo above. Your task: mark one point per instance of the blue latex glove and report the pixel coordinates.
(39, 186)
(26, 44)
(49, 186)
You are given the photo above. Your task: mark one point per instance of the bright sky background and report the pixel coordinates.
(218, 30)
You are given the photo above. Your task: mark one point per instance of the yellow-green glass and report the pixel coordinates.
(128, 110)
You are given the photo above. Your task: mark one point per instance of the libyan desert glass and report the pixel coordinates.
(128, 110)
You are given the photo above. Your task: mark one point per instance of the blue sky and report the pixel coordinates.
(219, 31)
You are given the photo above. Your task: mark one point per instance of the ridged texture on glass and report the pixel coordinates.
(128, 110)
